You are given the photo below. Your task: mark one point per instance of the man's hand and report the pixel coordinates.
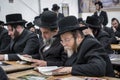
(38, 62)
(1, 57)
(64, 69)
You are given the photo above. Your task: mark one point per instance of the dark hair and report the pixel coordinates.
(75, 33)
(52, 29)
(115, 19)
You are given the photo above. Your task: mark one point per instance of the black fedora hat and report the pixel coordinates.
(99, 3)
(14, 19)
(55, 7)
(1, 23)
(48, 19)
(29, 25)
(93, 22)
(45, 9)
(69, 23)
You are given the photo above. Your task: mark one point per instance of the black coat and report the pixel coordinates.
(104, 15)
(60, 16)
(112, 40)
(104, 39)
(55, 55)
(3, 75)
(27, 43)
(4, 38)
(90, 60)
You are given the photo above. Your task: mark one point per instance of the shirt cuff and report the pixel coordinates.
(6, 57)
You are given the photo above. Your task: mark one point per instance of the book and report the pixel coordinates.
(80, 78)
(49, 70)
(32, 77)
(24, 58)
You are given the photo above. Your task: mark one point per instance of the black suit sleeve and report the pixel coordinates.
(3, 75)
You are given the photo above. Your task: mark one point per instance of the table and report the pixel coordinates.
(14, 76)
(115, 46)
(15, 67)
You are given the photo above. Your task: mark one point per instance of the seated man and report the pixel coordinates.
(86, 56)
(23, 41)
(51, 52)
(4, 37)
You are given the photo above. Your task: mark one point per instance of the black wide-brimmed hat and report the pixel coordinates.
(55, 7)
(29, 25)
(93, 22)
(14, 19)
(48, 19)
(99, 3)
(69, 23)
(45, 9)
(1, 23)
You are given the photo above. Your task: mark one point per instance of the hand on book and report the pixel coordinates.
(63, 70)
(39, 62)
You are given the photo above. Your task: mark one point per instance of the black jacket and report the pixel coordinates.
(4, 38)
(3, 75)
(55, 55)
(27, 43)
(112, 40)
(104, 15)
(90, 60)
(104, 39)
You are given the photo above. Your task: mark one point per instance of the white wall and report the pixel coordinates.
(30, 8)
(73, 5)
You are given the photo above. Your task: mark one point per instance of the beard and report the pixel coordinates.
(16, 35)
(69, 51)
(48, 41)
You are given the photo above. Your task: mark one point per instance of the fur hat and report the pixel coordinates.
(14, 19)
(55, 7)
(68, 24)
(29, 25)
(48, 19)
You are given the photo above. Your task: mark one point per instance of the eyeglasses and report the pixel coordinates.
(66, 40)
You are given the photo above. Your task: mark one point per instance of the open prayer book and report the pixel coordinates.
(49, 70)
(24, 58)
(80, 78)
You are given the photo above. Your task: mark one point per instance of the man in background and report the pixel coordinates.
(56, 8)
(4, 37)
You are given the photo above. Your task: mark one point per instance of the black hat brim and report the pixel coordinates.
(77, 27)
(16, 22)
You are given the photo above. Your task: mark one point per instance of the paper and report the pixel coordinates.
(47, 70)
(24, 58)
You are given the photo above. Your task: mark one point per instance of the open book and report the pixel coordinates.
(49, 70)
(24, 58)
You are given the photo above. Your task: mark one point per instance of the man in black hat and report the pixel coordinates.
(23, 41)
(56, 8)
(4, 37)
(94, 25)
(30, 27)
(86, 55)
(100, 12)
(51, 52)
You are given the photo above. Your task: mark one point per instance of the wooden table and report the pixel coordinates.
(115, 46)
(15, 67)
(14, 76)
